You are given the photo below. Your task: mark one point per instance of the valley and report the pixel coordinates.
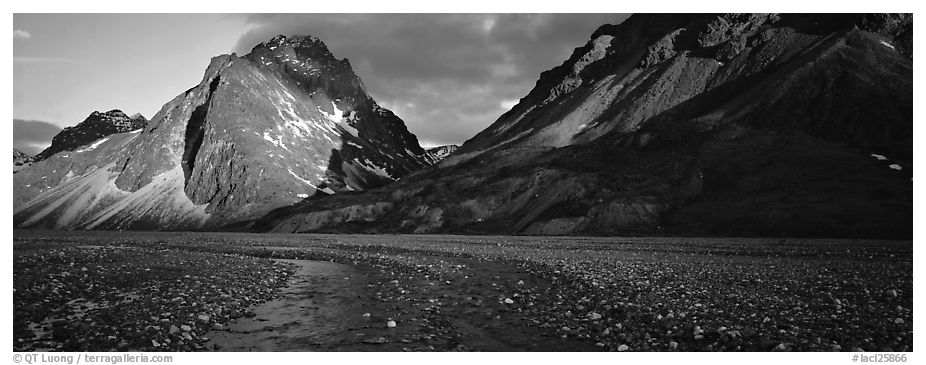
(149, 291)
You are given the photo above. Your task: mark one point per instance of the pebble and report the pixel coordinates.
(623, 348)
(898, 321)
(390, 323)
(594, 316)
(509, 301)
(366, 315)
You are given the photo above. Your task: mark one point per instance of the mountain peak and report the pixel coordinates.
(302, 47)
(97, 125)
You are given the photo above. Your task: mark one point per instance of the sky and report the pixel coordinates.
(448, 76)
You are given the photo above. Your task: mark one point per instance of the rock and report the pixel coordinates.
(390, 323)
(899, 321)
(218, 327)
(891, 293)
(606, 331)
(623, 348)
(594, 316)
(173, 330)
(366, 316)
(185, 328)
(673, 345)
(509, 301)
(376, 341)
(155, 343)
(204, 318)
(697, 330)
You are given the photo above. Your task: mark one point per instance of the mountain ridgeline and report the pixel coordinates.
(97, 125)
(689, 124)
(665, 124)
(286, 122)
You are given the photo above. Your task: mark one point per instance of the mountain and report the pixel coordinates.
(21, 160)
(283, 123)
(678, 124)
(441, 152)
(96, 126)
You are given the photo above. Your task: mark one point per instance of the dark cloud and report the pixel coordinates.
(446, 75)
(32, 136)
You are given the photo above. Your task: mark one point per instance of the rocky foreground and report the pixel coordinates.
(155, 291)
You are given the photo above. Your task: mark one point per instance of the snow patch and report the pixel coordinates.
(302, 196)
(276, 141)
(301, 179)
(93, 146)
(879, 157)
(336, 118)
(374, 168)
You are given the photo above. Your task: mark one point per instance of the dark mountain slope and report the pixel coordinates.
(679, 124)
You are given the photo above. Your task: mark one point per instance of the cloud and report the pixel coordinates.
(447, 75)
(42, 60)
(508, 104)
(21, 34)
(32, 136)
